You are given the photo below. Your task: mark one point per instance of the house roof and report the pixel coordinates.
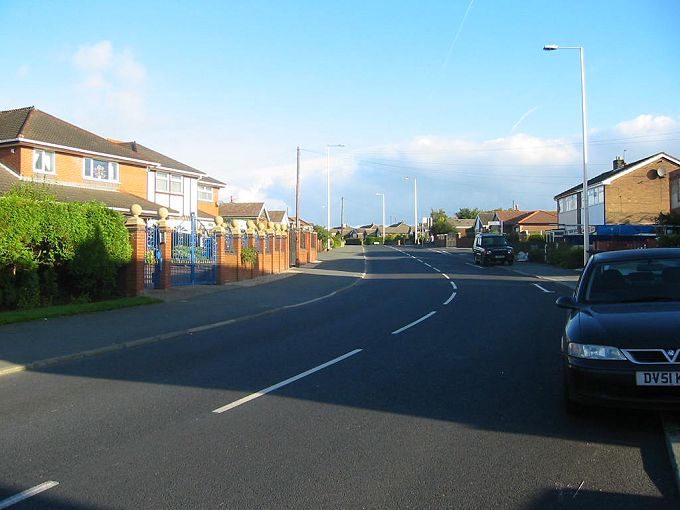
(117, 200)
(608, 176)
(485, 217)
(539, 218)
(32, 124)
(242, 210)
(211, 180)
(511, 216)
(398, 228)
(277, 216)
(464, 223)
(292, 220)
(151, 155)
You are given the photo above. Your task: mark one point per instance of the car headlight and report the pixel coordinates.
(587, 351)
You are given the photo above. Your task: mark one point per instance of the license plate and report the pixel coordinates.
(657, 378)
(500, 256)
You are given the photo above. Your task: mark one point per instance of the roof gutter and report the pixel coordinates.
(75, 149)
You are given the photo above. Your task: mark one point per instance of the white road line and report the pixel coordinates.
(453, 284)
(27, 494)
(428, 265)
(419, 260)
(425, 317)
(453, 294)
(446, 276)
(473, 265)
(276, 386)
(544, 290)
(436, 269)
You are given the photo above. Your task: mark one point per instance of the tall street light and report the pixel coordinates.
(415, 208)
(383, 216)
(584, 118)
(328, 191)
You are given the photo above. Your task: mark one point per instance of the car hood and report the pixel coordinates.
(631, 325)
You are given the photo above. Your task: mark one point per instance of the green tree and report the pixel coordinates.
(440, 222)
(322, 236)
(465, 213)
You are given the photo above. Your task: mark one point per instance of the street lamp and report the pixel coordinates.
(328, 191)
(584, 118)
(383, 216)
(415, 209)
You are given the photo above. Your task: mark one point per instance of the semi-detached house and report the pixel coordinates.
(81, 166)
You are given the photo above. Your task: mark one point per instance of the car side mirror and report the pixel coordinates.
(567, 302)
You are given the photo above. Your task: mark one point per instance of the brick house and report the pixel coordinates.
(81, 166)
(633, 193)
(524, 223)
(242, 212)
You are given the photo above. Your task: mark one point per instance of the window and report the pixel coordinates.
(205, 193)
(101, 170)
(168, 183)
(596, 196)
(43, 161)
(569, 203)
(675, 193)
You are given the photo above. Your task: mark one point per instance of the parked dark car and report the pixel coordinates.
(621, 342)
(492, 249)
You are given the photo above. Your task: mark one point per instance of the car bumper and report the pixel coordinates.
(590, 383)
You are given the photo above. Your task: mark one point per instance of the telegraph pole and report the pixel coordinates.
(297, 205)
(342, 213)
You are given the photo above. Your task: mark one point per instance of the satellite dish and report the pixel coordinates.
(660, 172)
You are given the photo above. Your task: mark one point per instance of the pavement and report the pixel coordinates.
(185, 310)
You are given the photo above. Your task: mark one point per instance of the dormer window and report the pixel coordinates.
(43, 161)
(168, 183)
(100, 170)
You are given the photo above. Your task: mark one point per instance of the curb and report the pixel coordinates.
(170, 335)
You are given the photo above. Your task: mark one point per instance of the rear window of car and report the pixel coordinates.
(494, 241)
(636, 280)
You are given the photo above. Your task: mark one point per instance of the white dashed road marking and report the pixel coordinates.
(423, 318)
(543, 289)
(27, 494)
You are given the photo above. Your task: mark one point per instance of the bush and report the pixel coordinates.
(353, 242)
(566, 256)
(337, 241)
(52, 251)
(536, 255)
(669, 241)
(373, 239)
(248, 256)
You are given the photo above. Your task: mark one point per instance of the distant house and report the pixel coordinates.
(280, 217)
(305, 226)
(77, 165)
(630, 193)
(482, 222)
(242, 212)
(526, 222)
(461, 226)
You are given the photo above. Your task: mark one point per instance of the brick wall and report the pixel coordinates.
(11, 159)
(636, 198)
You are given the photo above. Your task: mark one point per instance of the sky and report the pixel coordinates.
(458, 94)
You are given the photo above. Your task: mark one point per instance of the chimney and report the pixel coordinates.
(133, 144)
(618, 163)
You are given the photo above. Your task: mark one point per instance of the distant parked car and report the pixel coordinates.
(492, 248)
(621, 341)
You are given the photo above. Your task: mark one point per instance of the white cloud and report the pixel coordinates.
(112, 88)
(647, 125)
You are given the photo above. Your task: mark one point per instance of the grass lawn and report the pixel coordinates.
(74, 309)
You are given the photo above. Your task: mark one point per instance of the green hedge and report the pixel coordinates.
(669, 241)
(354, 242)
(373, 239)
(54, 252)
(565, 255)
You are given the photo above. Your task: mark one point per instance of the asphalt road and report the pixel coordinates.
(462, 409)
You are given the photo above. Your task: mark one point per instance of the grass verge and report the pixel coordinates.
(49, 312)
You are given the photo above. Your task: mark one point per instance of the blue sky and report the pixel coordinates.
(456, 93)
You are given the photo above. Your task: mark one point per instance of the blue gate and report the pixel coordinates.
(194, 255)
(153, 258)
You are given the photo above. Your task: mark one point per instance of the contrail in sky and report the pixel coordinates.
(526, 114)
(455, 39)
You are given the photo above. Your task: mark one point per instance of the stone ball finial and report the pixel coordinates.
(277, 227)
(261, 225)
(251, 224)
(136, 210)
(234, 224)
(163, 213)
(219, 220)
(270, 224)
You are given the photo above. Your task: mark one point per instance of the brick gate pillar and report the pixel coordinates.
(166, 248)
(134, 273)
(219, 231)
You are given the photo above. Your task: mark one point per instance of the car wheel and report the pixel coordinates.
(511, 262)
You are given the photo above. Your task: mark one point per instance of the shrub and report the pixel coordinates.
(354, 242)
(373, 239)
(669, 241)
(536, 255)
(566, 256)
(337, 241)
(52, 251)
(248, 256)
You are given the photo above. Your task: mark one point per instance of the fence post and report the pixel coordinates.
(134, 273)
(238, 244)
(165, 232)
(308, 240)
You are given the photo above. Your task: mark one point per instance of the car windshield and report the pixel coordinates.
(494, 241)
(632, 281)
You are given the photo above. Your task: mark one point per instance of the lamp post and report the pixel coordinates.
(383, 216)
(415, 209)
(584, 122)
(328, 191)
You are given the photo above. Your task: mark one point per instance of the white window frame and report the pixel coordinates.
(568, 203)
(207, 190)
(170, 180)
(596, 196)
(45, 154)
(113, 170)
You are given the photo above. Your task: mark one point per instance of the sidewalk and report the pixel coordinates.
(42, 342)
